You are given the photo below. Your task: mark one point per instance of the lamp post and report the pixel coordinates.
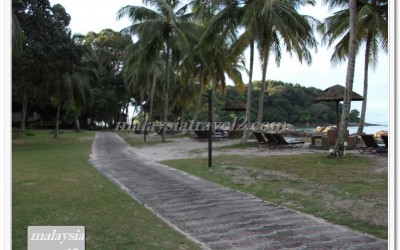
(209, 95)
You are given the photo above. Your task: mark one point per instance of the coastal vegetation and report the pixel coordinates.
(163, 64)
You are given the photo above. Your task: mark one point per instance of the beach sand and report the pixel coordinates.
(185, 147)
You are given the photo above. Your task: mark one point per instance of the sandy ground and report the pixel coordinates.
(183, 148)
(180, 148)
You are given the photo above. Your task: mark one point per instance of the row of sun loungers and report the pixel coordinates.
(203, 135)
(275, 140)
(271, 140)
(371, 146)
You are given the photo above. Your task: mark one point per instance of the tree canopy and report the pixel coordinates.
(162, 64)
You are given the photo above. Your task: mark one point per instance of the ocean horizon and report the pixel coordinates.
(376, 126)
(369, 129)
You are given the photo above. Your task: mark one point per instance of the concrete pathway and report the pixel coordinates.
(214, 216)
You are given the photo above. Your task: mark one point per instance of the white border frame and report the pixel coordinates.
(5, 130)
(393, 122)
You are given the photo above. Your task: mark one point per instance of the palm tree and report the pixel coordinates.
(226, 23)
(202, 12)
(17, 36)
(73, 84)
(253, 16)
(141, 70)
(279, 21)
(167, 25)
(75, 87)
(339, 145)
(372, 29)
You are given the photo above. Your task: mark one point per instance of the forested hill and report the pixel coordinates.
(283, 102)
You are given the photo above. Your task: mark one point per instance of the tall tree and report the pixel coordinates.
(17, 36)
(339, 145)
(202, 12)
(45, 32)
(227, 22)
(254, 16)
(281, 24)
(372, 30)
(167, 24)
(141, 74)
(107, 50)
(72, 81)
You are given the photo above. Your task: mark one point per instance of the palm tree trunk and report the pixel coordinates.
(213, 98)
(153, 91)
(365, 91)
(183, 114)
(249, 95)
(262, 90)
(24, 111)
(199, 94)
(166, 90)
(143, 115)
(57, 120)
(77, 123)
(342, 133)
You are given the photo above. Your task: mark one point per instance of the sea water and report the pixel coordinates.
(370, 129)
(378, 126)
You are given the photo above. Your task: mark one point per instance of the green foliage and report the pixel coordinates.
(200, 42)
(354, 116)
(284, 102)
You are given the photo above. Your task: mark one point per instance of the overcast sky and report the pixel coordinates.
(95, 15)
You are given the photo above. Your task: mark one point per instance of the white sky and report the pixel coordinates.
(95, 15)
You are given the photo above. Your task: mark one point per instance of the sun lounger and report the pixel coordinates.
(385, 141)
(235, 133)
(261, 139)
(371, 145)
(282, 142)
(272, 142)
(217, 135)
(202, 135)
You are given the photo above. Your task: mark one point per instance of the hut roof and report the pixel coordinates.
(234, 106)
(336, 93)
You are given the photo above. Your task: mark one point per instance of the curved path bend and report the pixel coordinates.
(215, 216)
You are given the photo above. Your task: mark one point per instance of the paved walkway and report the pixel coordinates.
(215, 216)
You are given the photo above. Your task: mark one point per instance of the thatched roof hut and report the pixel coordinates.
(234, 106)
(336, 94)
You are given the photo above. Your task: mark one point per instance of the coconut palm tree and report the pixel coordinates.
(72, 86)
(168, 25)
(226, 23)
(72, 83)
(372, 29)
(281, 24)
(252, 16)
(141, 71)
(202, 12)
(17, 35)
(344, 120)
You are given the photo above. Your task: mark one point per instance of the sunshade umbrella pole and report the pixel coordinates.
(337, 115)
(336, 93)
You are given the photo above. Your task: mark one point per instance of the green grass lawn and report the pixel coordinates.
(53, 184)
(350, 191)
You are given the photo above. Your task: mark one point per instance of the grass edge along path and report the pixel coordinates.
(332, 189)
(54, 184)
